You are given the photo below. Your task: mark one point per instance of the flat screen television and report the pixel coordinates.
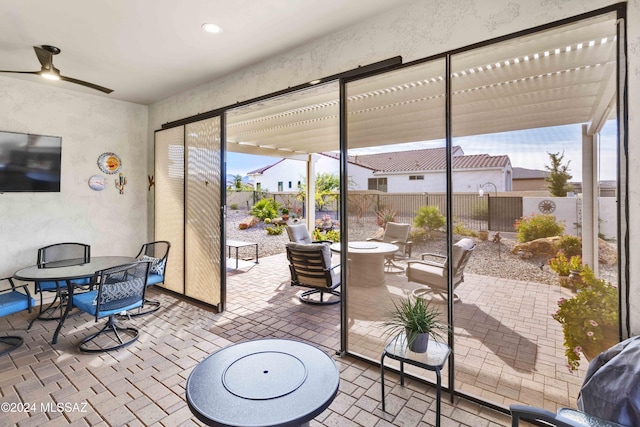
(29, 163)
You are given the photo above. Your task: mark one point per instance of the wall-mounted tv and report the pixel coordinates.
(29, 163)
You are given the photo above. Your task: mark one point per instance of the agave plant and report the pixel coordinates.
(415, 316)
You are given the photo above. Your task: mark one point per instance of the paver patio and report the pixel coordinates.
(501, 353)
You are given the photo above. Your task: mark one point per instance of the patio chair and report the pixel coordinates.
(396, 234)
(298, 233)
(157, 254)
(56, 255)
(310, 266)
(119, 289)
(12, 300)
(434, 274)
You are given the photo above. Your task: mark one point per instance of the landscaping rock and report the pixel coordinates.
(248, 222)
(546, 246)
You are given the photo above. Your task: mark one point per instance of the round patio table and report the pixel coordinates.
(267, 382)
(367, 261)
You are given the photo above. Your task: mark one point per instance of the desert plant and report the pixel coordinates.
(415, 316)
(559, 176)
(233, 206)
(275, 230)
(560, 264)
(332, 235)
(418, 235)
(386, 215)
(429, 218)
(537, 226)
(589, 319)
(265, 208)
(570, 245)
(461, 230)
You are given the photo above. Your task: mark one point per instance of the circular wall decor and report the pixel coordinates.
(547, 206)
(97, 182)
(109, 163)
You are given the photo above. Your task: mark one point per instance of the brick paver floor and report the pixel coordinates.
(506, 350)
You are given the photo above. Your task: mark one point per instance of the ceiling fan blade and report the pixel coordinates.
(44, 56)
(87, 84)
(20, 72)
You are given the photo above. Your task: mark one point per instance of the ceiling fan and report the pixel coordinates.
(45, 56)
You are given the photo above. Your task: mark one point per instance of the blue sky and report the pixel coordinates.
(527, 149)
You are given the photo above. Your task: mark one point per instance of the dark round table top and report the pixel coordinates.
(64, 271)
(267, 382)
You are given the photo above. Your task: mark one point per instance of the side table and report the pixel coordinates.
(433, 360)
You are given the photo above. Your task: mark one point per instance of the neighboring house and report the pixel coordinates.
(396, 172)
(529, 179)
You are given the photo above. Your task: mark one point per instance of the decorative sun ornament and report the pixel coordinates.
(547, 206)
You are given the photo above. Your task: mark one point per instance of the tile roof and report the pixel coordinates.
(428, 159)
(262, 169)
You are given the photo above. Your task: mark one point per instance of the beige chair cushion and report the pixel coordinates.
(326, 255)
(298, 233)
(430, 274)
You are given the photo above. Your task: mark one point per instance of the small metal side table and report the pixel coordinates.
(433, 360)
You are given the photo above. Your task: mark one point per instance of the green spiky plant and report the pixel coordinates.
(415, 316)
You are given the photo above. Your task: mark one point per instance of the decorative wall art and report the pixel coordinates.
(97, 182)
(121, 181)
(109, 163)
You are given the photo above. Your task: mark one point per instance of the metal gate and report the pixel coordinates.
(503, 212)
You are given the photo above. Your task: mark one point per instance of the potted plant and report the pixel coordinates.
(285, 214)
(589, 319)
(418, 319)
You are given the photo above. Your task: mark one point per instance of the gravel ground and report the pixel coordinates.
(488, 259)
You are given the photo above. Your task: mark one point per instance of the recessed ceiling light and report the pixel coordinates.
(211, 28)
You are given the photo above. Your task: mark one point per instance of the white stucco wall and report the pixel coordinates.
(416, 31)
(89, 125)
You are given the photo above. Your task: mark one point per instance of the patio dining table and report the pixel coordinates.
(67, 271)
(367, 261)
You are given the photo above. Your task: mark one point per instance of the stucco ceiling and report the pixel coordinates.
(147, 50)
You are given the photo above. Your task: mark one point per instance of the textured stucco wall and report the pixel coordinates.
(89, 125)
(420, 29)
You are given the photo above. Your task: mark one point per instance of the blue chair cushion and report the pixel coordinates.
(51, 286)
(87, 303)
(13, 302)
(154, 279)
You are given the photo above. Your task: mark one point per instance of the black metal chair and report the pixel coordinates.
(59, 255)
(119, 289)
(157, 254)
(310, 266)
(12, 300)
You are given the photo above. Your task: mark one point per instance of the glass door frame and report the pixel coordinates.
(623, 213)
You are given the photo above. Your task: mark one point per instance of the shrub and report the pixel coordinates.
(589, 319)
(570, 245)
(429, 218)
(560, 264)
(275, 231)
(265, 208)
(233, 206)
(418, 235)
(461, 230)
(537, 227)
(332, 235)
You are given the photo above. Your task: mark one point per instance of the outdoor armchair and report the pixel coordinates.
(13, 299)
(310, 266)
(298, 233)
(396, 234)
(432, 270)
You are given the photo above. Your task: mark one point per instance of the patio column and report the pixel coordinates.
(590, 211)
(310, 203)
